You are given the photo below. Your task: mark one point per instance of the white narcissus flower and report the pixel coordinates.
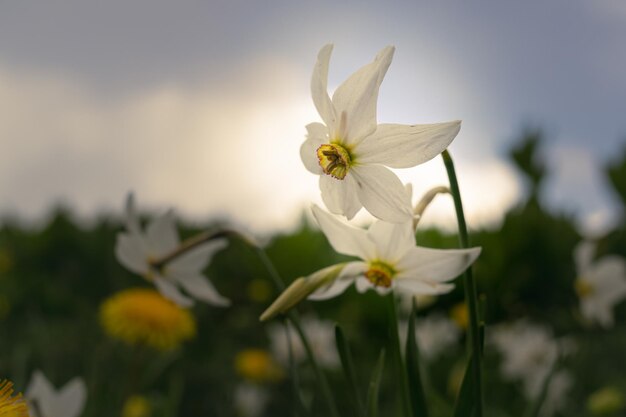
(137, 249)
(351, 152)
(45, 401)
(250, 400)
(600, 285)
(390, 259)
(321, 334)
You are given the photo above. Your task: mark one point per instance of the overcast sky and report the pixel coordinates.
(201, 105)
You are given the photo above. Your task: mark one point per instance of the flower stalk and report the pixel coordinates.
(295, 320)
(187, 245)
(469, 285)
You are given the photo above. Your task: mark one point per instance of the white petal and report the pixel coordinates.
(194, 261)
(382, 193)
(339, 285)
(319, 87)
(316, 136)
(70, 401)
(362, 284)
(130, 251)
(169, 291)
(345, 239)
(392, 240)
(340, 196)
(161, 235)
(417, 287)
(41, 391)
(404, 146)
(608, 278)
(583, 256)
(201, 289)
(435, 265)
(132, 219)
(355, 99)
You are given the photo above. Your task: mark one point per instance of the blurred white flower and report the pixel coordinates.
(435, 334)
(390, 259)
(529, 354)
(250, 400)
(601, 284)
(321, 334)
(45, 401)
(351, 152)
(137, 249)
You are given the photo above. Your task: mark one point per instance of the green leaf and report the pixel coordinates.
(416, 388)
(348, 369)
(399, 368)
(465, 402)
(372, 393)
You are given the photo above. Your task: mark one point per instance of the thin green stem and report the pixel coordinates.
(468, 282)
(397, 355)
(293, 317)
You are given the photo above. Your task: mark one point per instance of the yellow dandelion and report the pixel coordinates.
(136, 406)
(11, 405)
(141, 316)
(257, 365)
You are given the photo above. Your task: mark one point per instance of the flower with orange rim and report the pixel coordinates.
(141, 316)
(11, 405)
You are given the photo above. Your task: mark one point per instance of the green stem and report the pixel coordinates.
(397, 355)
(293, 317)
(468, 282)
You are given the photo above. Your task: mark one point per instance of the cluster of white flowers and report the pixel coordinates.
(529, 354)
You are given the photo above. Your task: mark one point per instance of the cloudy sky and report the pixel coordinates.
(201, 105)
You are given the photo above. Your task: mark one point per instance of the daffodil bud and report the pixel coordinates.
(300, 289)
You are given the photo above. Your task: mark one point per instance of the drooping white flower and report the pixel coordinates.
(321, 334)
(529, 353)
(600, 285)
(45, 401)
(136, 249)
(390, 259)
(351, 152)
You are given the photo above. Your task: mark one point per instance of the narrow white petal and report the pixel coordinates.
(196, 259)
(416, 287)
(202, 289)
(356, 97)
(317, 134)
(405, 146)
(339, 285)
(132, 219)
(340, 196)
(131, 252)
(345, 239)
(161, 235)
(583, 256)
(435, 265)
(382, 193)
(392, 240)
(169, 291)
(70, 401)
(319, 87)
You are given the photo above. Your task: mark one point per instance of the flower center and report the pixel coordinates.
(380, 274)
(583, 288)
(334, 160)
